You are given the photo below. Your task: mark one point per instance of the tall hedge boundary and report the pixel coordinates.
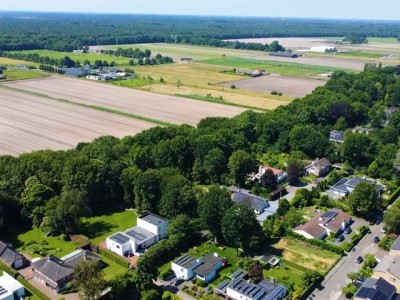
(114, 257)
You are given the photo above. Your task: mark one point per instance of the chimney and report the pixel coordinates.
(216, 254)
(272, 280)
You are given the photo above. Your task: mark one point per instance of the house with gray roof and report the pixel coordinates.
(150, 229)
(389, 269)
(336, 136)
(262, 207)
(346, 186)
(55, 272)
(209, 267)
(376, 289)
(240, 288)
(319, 167)
(11, 257)
(183, 266)
(395, 249)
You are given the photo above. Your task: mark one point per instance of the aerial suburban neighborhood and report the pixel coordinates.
(199, 150)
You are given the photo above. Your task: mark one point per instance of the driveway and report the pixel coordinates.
(356, 223)
(291, 189)
(331, 287)
(165, 285)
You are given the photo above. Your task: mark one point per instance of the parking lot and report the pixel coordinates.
(356, 223)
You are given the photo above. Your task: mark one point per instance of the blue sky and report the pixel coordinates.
(338, 9)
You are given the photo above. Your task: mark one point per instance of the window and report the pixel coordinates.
(118, 247)
(181, 269)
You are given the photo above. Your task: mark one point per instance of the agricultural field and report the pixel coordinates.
(21, 74)
(169, 109)
(30, 122)
(4, 61)
(290, 86)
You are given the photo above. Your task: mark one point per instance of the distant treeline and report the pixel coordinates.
(66, 32)
(140, 57)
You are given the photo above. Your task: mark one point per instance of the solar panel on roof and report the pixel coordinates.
(119, 238)
(274, 293)
(329, 214)
(2, 290)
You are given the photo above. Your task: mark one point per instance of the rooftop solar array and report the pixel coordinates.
(139, 234)
(153, 219)
(185, 261)
(119, 238)
(329, 214)
(3, 290)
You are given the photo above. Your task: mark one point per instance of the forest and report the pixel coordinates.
(161, 169)
(29, 31)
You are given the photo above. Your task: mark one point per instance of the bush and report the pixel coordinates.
(201, 283)
(274, 93)
(386, 242)
(233, 86)
(114, 257)
(166, 274)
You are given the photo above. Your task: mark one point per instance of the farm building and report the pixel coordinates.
(284, 54)
(323, 49)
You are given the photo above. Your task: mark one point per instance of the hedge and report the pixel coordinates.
(114, 257)
(316, 242)
(392, 197)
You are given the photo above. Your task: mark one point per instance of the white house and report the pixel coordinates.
(150, 229)
(280, 176)
(209, 267)
(10, 288)
(183, 266)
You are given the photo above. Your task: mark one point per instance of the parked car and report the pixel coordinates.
(376, 240)
(378, 222)
(340, 238)
(359, 259)
(347, 230)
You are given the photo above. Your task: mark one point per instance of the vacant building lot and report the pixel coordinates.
(176, 110)
(289, 86)
(30, 122)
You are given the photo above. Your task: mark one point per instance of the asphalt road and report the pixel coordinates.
(331, 287)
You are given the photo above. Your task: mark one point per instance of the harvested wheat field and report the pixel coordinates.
(31, 123)
(165, 108)
(288, 86)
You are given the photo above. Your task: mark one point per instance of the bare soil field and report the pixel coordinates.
(30, 123)
(165, 108)
(290, 86)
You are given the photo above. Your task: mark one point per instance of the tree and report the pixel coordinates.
(89, 279)
(184, 229)
(358, 149)
(145, 273)
(152, 294)
(295, 170)
(310, 277)
(363, 201)
(268, 180)
(392, 218)
(293, 217)
(284, 206)
(352, 276)
(240, 165)
(240, 226)
(256, 272)
(64, 212)
(212, 208)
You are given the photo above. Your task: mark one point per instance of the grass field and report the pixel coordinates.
(383, 40)
(133, 82)
(286, 275)
(99, 227)
(19, 74)
(282, 68)
(112, 269)
(362, 54)
(306, 255)
(81, 57)
(4, 61)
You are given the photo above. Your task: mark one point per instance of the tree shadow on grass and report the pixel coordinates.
(97, 229)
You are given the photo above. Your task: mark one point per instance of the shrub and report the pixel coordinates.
(201, 283)
(274, 93)
(386, 243)
(114, 257)
(233, 86)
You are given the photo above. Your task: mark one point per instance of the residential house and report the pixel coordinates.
(395, 249)
(209, 267)
(183, 266)
(284, 54)
(239, 288)
(10, 288)
(376, 289)
(75, 72)
(336, 136)
(319, 167)
(363, 130)
(280, 176)
(324, 223)
(11, 257)
(55, 272)
(346, 186)
(261, 207)
(389, 269)
(150, 229)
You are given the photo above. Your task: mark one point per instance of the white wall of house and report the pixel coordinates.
(309, 236)
(120, 249)
(236, 295)
(184, 273)
(161, 230)
(12, 286)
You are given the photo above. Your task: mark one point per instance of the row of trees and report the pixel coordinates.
(51, 69)
(48, 31)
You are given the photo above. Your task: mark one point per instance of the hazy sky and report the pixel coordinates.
(357, 9)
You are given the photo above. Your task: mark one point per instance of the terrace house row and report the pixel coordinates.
(150, 229)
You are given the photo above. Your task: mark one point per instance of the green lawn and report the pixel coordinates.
(383, 40)
(286, 275)
(99, 227)
(134, 82)
(112, 269)
(362, 54)
(283, 68)
(17, 74)
(56, 245)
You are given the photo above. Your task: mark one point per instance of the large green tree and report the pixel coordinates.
(363, 201)
(89, 280)
(240, 165)
(145, 273)
(392, 218)
(212, 208)
(240, 228)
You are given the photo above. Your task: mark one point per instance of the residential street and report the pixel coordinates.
(331, 287)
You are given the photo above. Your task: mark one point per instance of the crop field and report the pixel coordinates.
(4, 61)
(175, 110)
(291, 86)
(30, 122)
(19, 74)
